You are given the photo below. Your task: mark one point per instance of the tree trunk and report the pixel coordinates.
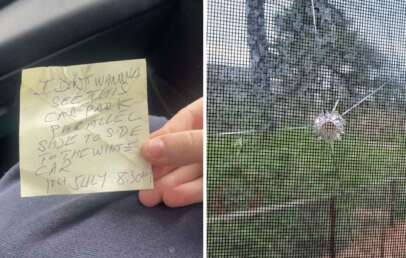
(258, 45)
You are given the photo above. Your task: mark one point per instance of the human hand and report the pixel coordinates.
(176, 154)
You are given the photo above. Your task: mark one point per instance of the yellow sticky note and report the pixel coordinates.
(82, 127)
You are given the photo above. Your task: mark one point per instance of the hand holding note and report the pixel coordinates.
(176, 153)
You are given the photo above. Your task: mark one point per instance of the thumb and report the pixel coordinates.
(179, 148)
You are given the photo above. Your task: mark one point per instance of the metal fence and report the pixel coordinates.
(370, 222)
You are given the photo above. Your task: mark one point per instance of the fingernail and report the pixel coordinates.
(154, 148)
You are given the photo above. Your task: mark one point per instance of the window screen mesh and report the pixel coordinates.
(306, 128)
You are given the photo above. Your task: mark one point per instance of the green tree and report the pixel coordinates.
(316, 53)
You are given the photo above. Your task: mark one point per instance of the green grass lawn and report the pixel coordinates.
(285, 165)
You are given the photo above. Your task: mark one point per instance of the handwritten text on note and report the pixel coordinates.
(81, 128)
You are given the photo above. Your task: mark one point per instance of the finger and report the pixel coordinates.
(160, 171)
(185, 194)
(149, 198)
(180, 148)
(179, 176)
(188, 118)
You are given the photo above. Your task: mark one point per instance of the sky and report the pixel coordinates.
(381, 23)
